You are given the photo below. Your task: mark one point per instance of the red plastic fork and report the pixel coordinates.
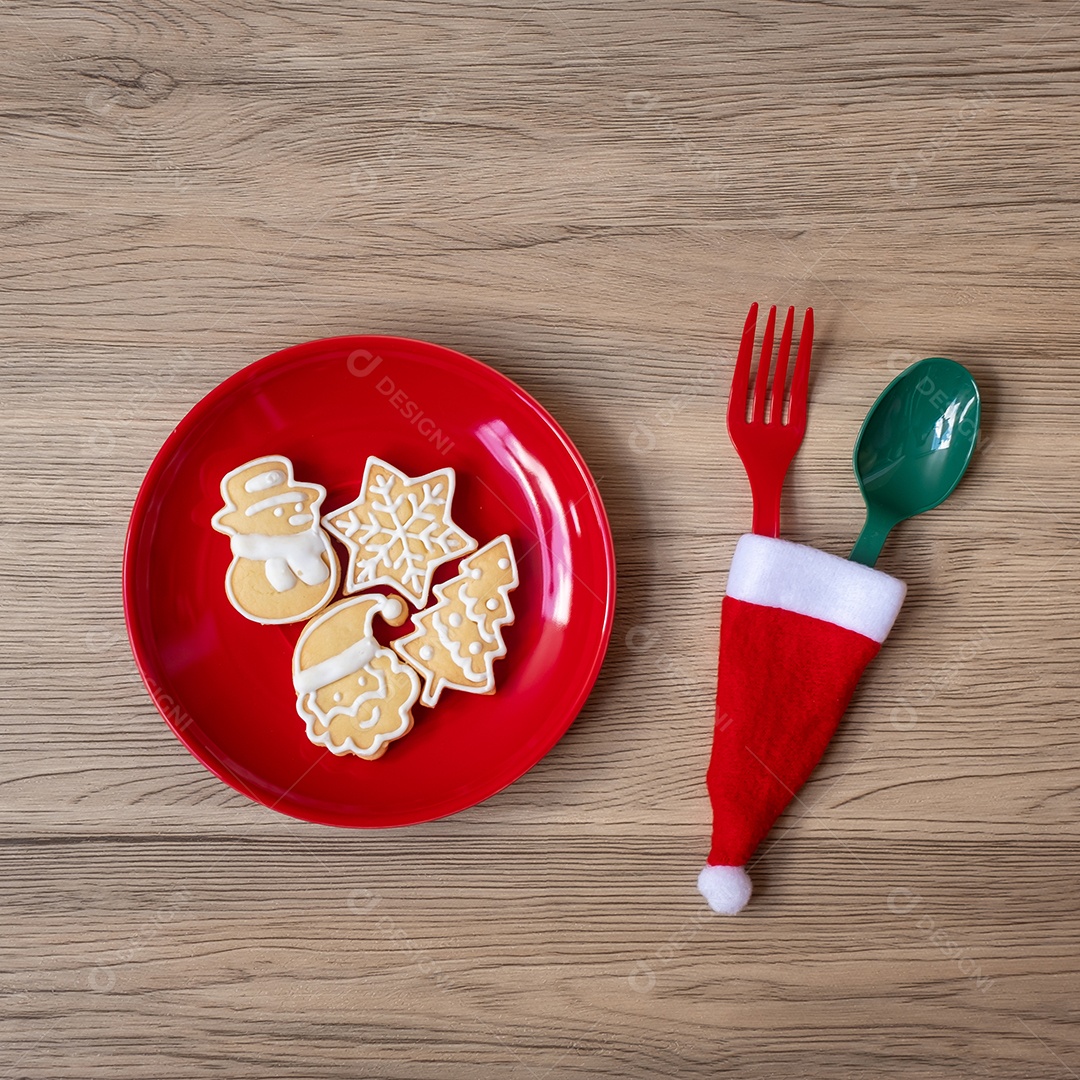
(767, 446)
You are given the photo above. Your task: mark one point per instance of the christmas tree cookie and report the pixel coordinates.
(457, 641)
(353, 694)
(398, 530)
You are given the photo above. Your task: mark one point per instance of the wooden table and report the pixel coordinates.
(587, 197)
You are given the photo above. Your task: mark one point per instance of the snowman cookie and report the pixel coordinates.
(354, 695)
(283, 567)
(398, 530)
(457, 641)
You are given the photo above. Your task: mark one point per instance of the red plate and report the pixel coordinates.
(224, 683)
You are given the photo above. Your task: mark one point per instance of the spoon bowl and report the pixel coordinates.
(914, 446)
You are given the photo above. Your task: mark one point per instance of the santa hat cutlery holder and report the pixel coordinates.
(798, 627)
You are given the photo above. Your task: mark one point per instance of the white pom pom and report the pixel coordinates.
(391, 607)
(726, 888)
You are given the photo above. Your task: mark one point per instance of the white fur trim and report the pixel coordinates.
(780, 574)
(726, 888)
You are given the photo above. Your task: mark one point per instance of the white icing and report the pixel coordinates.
(279, 575)
(475, 647)
(278, 512)
(392, 608)
(355, 658)
(295, 519)
(337, 696)
(399, 540)
(376, 716)
(298, 507)
(426, 652)
(265, 480)
(504, 564)
(455, 618)
(274, 500)
(454, 649)
(294, 555)
(484, 623)
(476, 573)
(492, 604)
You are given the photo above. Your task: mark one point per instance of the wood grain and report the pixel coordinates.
(586, 197)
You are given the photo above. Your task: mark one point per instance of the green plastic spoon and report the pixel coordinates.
(914, 446)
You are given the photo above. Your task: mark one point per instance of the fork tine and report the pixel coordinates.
(776, 410)
(761, 383)
(740, 381)
(800, 381)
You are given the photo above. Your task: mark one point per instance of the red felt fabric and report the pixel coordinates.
(784, 683)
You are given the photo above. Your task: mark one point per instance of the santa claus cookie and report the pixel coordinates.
(398, 530)
(354, 695)
(283, 567)
(457, 641)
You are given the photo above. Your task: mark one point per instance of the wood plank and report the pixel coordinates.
(586, 197)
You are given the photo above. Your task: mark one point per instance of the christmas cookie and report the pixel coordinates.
(457, 641)
(354, 695)
(283, 567)
(398, 530)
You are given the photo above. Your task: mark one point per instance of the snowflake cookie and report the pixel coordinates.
(353, 694)
(283, 567)
(398, 530)
(457, 641)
